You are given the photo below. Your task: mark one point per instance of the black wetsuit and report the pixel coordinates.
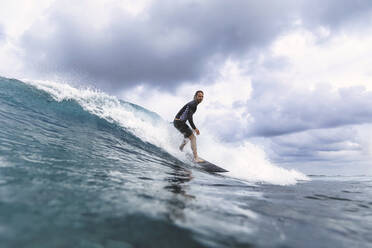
(185, 114)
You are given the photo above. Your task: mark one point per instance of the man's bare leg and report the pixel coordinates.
(184, 142)
(194, 150)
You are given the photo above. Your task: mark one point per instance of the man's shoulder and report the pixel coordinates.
(192, 103)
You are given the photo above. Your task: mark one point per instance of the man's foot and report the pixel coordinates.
(181, 147)
(183, 144)
(198, 160)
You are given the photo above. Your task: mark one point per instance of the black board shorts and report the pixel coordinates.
(183, 128)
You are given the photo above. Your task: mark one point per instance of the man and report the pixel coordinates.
(185, 114)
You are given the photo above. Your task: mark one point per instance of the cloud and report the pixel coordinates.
(273, 108)
(168, 44)
(2, 33)
(164, 43)
(335, 13)
(282, 110)
(333, 144)
(299, 84)
(220, 96)
(312, 57)
(336, 151)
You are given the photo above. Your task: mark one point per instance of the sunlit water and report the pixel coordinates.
(71, 175)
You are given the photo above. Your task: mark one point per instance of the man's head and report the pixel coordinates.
(198, 97)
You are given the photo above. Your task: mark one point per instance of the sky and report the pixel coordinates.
(293, 77)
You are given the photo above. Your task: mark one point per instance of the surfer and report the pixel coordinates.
(185, 114)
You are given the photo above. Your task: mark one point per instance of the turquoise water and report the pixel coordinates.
(74, 176)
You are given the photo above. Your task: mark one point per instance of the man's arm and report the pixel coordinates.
(193, 125)
(190, 117)
(191, 121)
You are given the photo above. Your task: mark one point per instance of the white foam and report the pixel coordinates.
(245, 161)
(149, 128)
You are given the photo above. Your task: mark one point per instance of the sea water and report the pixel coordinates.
(80, 168)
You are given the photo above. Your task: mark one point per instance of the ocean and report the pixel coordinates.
(81, 168)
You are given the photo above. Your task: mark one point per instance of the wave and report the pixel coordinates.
(143, 129)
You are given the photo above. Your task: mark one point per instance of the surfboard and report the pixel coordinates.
(210, 167)
(207, 166)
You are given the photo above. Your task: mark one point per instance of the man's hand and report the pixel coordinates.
(197, 131)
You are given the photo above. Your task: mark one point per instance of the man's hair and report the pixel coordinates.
(196, 93)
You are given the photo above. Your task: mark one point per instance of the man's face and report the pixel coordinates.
(199, 97)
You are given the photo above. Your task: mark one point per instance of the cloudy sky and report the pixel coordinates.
(292, 76)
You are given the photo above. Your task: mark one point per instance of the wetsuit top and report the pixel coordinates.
(186, 112)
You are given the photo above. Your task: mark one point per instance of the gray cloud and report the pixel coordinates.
(176, 42)
(275, 110)
(341, 150)
(333, 144)
(335, 13)
(2, 33)
(282, 110)
(172, 42)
